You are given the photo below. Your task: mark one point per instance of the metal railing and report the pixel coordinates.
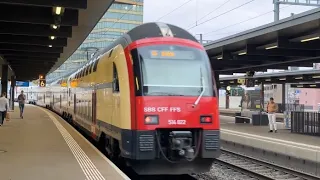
(305, 123)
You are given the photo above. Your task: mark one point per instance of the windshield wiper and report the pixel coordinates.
(203, 90)
(164, 93)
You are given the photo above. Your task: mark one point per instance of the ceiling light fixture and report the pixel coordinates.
(310, 39)
(271, 47)
(58, 10)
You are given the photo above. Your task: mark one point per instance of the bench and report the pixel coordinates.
(252, 117)
(242, 119)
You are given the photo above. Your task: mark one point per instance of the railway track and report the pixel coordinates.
(236, 165)
(246, 167)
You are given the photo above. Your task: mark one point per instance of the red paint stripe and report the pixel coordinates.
(164, 40)
(132, 88)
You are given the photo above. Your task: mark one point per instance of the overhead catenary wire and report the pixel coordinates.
(241, 22)
(174, 10)
(221, 14)
(210, 12)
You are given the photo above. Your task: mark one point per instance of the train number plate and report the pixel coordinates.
(177, 122)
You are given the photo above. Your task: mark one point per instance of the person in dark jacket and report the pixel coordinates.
(21, 100)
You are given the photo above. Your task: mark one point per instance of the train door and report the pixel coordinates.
(116, 97)
(94, 113)
(69, 99)
(74, 105)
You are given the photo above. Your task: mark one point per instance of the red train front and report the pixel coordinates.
(176, 106)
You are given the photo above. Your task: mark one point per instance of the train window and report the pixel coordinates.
(110, 54)
(115, 84)
(82, 72)
(87, 70)
(95, 65)
(90, 68)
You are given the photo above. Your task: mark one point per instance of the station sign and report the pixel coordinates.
(42, 83)
(22, 83)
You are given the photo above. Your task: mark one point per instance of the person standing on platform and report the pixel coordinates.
(272, 108)
(4, 105)
(21, 100)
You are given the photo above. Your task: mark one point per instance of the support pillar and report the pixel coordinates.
(217, 81)
(12, 90)
(4, 78)
(262, 96)
(276, 10)
(227, 100)
(283, 97)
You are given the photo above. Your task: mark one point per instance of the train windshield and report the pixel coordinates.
(175, 71)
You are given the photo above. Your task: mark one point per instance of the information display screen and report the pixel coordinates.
(164, 54)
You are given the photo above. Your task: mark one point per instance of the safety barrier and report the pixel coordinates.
(305, 123)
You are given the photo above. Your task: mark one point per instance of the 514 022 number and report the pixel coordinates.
(177, 122)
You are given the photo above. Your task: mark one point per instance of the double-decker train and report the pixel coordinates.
(149, 99)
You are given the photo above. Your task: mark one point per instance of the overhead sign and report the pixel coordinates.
(42, 83)
(22, 83)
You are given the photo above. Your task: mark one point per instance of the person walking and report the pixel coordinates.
(21, 100)
(272, 108)
(4, 106)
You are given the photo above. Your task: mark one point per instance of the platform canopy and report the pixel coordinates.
(293, 41)
(308, 76)
(37, 36)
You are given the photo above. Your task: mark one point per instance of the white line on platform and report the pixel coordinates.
(273, 140)
(124, 176)
(88, 168)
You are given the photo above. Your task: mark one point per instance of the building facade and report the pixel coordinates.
(122, 16)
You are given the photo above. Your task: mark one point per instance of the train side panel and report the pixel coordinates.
(121, 99)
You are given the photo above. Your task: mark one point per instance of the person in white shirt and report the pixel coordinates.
(4, 105)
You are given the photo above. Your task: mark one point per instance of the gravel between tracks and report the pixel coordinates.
(218, 172)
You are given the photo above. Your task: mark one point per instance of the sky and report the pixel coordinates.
(222, 23)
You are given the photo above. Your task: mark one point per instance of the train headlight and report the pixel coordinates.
(151, 119)
(206, 119)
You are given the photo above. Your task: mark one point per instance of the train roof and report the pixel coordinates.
(149, 30)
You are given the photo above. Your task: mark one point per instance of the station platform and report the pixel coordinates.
(232, 112)
(43, 146)
(296, 146)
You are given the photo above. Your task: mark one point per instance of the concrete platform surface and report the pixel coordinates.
(43, 146)
(284, 142)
